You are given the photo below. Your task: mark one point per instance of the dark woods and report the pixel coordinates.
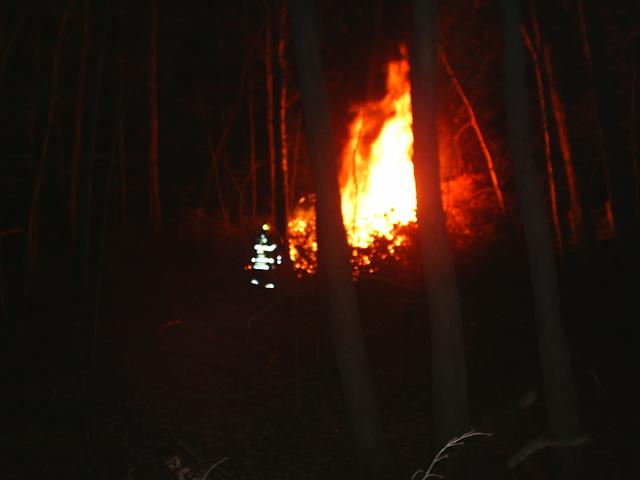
(143, 145)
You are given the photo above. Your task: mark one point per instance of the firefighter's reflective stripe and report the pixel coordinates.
(264, 248)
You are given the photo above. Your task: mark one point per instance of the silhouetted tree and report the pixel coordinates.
(450, 406)
(615, 146)
(333, 252)
(555, 364)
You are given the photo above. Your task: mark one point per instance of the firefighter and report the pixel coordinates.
(266, 257)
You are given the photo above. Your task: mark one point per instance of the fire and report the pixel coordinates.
(377, 184)
(378, 193)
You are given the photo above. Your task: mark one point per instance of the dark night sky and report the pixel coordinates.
(204, 46)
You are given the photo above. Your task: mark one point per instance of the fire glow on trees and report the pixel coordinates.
(377, 184)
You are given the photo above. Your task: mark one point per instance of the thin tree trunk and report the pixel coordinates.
(6, 46)
(34, 100)
(476, 128)
(32, 233)
(252, 157)
(450, 404)
(215, 152)
(616, 154)
(61, 157)
(268, 64)
(154, 180)
(555, 364)
(586, 48)
(78, 124)
(122, 156)
(633, 106)
(544, 120)
(353, 366)
(284, 165)
(89, 238)
(617, 158)
(34, 208)
(296, 160)
(577, 224)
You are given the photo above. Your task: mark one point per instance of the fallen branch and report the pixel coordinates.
(542, 442)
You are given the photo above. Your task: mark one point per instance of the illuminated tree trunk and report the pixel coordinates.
(283, 191)
(252, 157)
(544, 120)
(78, 123)
(450, 405)
(268, 64)
(476, 128)
(154, 180)
(353, 366)
(577, 224)
(555, 365)
(542, 55)
(276, 70)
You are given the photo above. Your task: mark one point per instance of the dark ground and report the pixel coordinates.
(191, 361)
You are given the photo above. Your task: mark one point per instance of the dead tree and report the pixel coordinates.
(450, 405)
(352, 362)
(555, 364)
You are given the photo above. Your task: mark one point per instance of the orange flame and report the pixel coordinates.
(378, 193)
(377, 183)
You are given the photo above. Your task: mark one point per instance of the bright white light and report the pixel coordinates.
(269, 285)
(264, 248)
(254, 281)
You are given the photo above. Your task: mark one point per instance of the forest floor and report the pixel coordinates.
(193, 366)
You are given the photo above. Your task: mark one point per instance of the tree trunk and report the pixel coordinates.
(353, 366)
(544, 121)
(555, 365)
(279, 65)
(616, 153)
(633, 114)
(34, 206)
(78, 124)
(154, 181)
(576, 217)
(577, 223)
(268, 64)
(450, 405)
(252, 157)
(89, 261)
